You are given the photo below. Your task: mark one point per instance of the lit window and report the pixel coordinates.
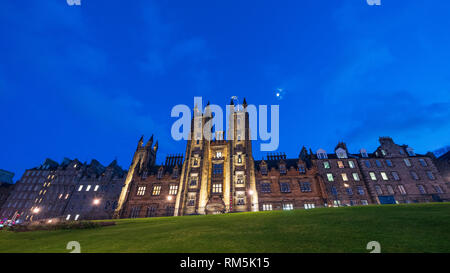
(217, 188)
(384, 176)
(173, 190)
(430, 175)
(383, 152)
(355, 176)
(267, 206)
(344, 177)
(330, 177)
(407, 162)
(239, 158)
(364, 202)
(96, 187)
(68, 217)
(288, 206)
(340, 164)
(402, 189)
(76, 217)
(372, 176)
(88, 187)
(156, 190)
(326, 164)
(351, 164)
(67, 196)
(80, 188)
(218, 154)
(309, 206)
(141, 191)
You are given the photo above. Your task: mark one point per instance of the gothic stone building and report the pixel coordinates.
(221, 176)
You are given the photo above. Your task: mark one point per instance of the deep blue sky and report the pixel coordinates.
(86, 82)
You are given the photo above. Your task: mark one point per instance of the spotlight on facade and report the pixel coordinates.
(96, 201)
(250, 192)
(36, 210)
(49, 221)
(169, 197)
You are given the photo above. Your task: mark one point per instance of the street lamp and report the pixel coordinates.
(250, 192)
(96, 201)
(169, 197)
(36, 210)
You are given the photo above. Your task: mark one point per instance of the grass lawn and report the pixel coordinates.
(398, 228)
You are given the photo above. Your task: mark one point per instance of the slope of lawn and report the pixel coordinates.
(398, 228)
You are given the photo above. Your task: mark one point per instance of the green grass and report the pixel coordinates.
(398, 228)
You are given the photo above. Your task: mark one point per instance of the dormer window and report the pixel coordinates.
(383, 152)
(175, 173)
(144, 175)
(282, 169)
(160, 173)
(364, 153)
(301, 168)
(341, 153)
(321, 154)
(410, 151)
(263, 169)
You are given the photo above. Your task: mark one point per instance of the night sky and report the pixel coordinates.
(87, 81)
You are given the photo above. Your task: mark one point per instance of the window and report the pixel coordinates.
(430, 175)
(265, 187)
(240, 158)
(423, 162)
(264, 170)
(351, 164)
(305, 187)
(372, 176)
(80, 188)
(388, 163)
(340, 164)
(240, 201)
(355, 176)
(378, 163)
(301, 168)
(217, 188)
(421, 189)
(360, 190)
(410, 151)
(367, 163)
(135, 212)
(88, 187)
(267, 206)
(217, 168)
(288, 206)
(364, 202)
(141, 191)
(96, 188)
(390, 189)
(326, 164)
(402, 189)
(282, 169)
(76, 217)
(191, 199)
(384, 176)
(344, 177)
(407, 162)
(156, 190)
(383, 152)
(193, 181)
(309, 206)
(401, 152)
(173, 189)
(285, 187)
(438, 189)
(349, 191)
(414, 175)
(337, 203)
(195, 162)
(160, 173)
(218, 154)
(151, 211)
(395, 175)
(68, 217)
(378, 190)
(240, 179)
(330, 177)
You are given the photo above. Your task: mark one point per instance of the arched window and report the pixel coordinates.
(321, 154)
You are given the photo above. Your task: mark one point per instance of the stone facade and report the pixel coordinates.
(443, 165)
(51, 191)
